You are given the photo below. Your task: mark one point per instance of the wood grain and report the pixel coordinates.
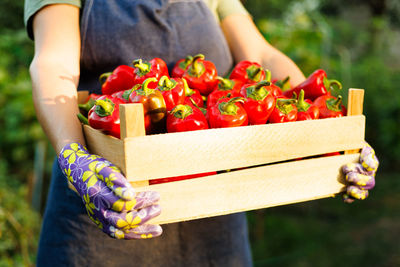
(132, 120)
(249, 189)
(355, 104)
(106, 146)
(174, 154)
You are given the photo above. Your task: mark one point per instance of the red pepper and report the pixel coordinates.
(192, 94)
(285, 111)
(148, 69)
(153, 106)
(248, 72)
(228, 113)
(89, 103)
(104, 115)
(180, 67)
(258, 101)
(306, 110)
(121, 78)
(173, 91)
(201, 75)
(329, 106)
(179, 178)
(124, 95)
(276, 90)
(223, 88)
(186, 118)
(317, 84)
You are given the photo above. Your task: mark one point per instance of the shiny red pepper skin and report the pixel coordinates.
(258, 101)
(306, 110)
(180, 178)
(173, 91)
(104, 115)
(148, 69)
(121, 78)
(223, 88)
(329, 106)
(317, 84)
(154, 107)
(192, 94)
(186, 118)
(248, 72)
(227, 113)
(285, 110)
(180, 67)
(201, 75)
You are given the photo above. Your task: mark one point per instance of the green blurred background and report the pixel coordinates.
(355, 41)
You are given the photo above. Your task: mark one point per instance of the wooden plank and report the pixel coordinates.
(106, 146)
(355, 107)
(132, 120)
(249, 189)
(174, 154)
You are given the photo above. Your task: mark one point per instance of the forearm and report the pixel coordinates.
(55, 100)
(282, 66)
(247, 43)
(55, 73)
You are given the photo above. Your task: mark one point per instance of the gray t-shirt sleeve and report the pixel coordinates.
(33, 6)
(230, 7)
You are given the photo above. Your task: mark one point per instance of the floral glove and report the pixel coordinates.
(360, 176)
(110, 200)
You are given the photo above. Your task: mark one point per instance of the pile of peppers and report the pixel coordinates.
(194, 97)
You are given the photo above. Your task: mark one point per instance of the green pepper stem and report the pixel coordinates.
(188, 60)
(188, 91)
(103, 77)
(197, 68)
(145, 85)
(334, 103)
(104, 107)
(182, 111)
(143, 67)
(254, 73)
(166, 84)
(229, 108)
(301, 104)
(82, 119)
(332, 85)
(224, 84)
(268, 75)
(285, 105)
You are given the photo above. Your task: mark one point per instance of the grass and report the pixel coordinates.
(328, 232)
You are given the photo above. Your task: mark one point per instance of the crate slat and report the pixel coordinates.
(174, 154)
(249, 189)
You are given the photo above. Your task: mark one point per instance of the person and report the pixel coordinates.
(76, 41)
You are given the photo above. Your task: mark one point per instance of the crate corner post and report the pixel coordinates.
(132, 125)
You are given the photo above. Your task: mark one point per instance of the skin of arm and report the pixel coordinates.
(246, 43)
(55, 73)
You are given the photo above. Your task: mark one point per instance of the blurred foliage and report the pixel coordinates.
(357, 43)
(19, 223)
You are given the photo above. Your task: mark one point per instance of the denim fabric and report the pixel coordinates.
(114, 33)
(70, 238)
(118, 32)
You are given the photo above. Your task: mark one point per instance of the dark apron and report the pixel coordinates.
(115, 33)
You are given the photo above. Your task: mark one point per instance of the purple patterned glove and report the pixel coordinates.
(109, 199)
(360, 176)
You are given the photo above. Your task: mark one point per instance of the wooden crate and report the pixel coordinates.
(274, 174)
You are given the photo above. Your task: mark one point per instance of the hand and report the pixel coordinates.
(360, 176)
(109, 199)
